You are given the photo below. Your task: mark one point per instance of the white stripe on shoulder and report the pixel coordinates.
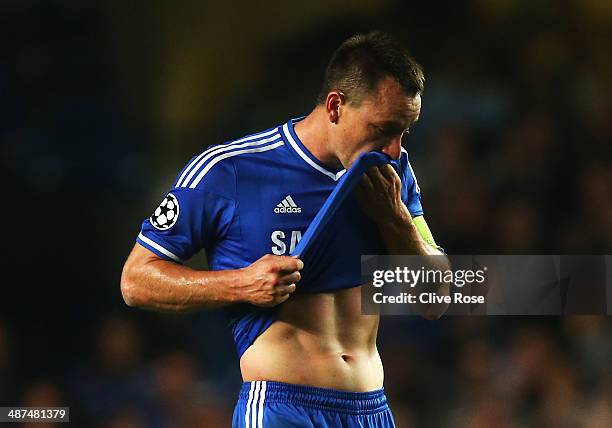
(261, 405)
(205, 152)
(225, 148)
(416, 183)
(158, 247)
(212, 163)
(309, 161)
(247, 419)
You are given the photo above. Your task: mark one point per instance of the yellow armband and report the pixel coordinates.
(424, 231)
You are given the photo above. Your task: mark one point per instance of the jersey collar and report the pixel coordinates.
(292, 139)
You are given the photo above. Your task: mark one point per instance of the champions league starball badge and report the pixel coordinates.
(166, 214)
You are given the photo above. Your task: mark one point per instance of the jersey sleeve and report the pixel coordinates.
(190, 218)
(411, 193)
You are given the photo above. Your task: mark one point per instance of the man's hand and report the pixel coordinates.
(149, 282)
(379, 195)
(270, 280)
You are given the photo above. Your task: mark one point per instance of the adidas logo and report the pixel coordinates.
(287, 206)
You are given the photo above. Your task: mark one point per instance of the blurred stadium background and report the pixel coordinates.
(103, 102)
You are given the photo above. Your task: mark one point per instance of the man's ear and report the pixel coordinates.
(333, 103)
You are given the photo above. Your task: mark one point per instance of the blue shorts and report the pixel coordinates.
(265, 404)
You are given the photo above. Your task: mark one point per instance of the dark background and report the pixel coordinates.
(102, 103)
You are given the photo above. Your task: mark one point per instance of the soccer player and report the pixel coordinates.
(307, 359)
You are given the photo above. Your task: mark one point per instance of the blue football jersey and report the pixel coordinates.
(246, 198)
(341, 232)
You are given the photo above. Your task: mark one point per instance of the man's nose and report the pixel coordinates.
(394, 148)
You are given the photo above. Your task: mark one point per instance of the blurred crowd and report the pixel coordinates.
(102, 103)
(459, 372)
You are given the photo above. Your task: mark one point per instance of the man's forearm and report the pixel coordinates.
(149, 282)
(169, 287)
(401, 237)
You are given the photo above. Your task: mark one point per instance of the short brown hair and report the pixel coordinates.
(359, 64)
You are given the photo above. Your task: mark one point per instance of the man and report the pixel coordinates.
(311, 361)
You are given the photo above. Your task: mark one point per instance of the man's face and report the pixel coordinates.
(376, 124)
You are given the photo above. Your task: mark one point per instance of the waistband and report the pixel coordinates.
(313, 397)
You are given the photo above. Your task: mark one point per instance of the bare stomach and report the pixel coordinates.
(319, 340)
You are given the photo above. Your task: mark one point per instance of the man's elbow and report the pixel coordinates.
(130, 289)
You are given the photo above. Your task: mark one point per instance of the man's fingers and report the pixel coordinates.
(289, 264)
(378, 175)
(291, 278)
(366, 182)
(375, 175)
(282, 299)
(281, 290)
(388, 172)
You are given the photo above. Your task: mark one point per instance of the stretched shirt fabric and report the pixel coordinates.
(258, 195)
(341, 232)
